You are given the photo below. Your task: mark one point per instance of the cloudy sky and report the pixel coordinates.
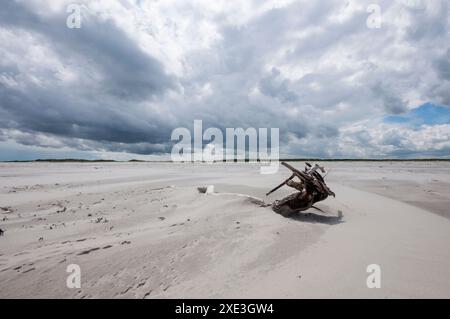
(337, 78)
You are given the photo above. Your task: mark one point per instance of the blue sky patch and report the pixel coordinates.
(426, 114)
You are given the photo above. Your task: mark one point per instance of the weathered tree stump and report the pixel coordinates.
(311, 189)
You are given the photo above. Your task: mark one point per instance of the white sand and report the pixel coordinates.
(158, 237)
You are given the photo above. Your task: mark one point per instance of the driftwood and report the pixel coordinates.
(312, 189)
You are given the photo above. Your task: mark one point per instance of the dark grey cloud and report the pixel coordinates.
(391, 101)
(271, 85)
(442, 65)
(68, 115)
(104, 107)
(126, 71)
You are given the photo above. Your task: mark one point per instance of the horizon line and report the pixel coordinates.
(299, 159)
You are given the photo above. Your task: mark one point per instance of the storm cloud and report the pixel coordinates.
(136, 70)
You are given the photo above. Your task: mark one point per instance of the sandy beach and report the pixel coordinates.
(143, 230)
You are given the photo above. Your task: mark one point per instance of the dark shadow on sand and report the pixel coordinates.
(314, 218)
